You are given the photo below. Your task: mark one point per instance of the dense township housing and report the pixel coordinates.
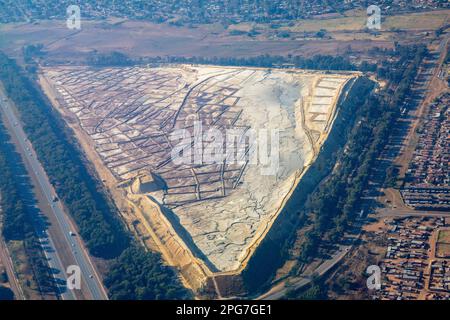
(428, 176)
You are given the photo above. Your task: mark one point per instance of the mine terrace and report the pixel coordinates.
(128, 115)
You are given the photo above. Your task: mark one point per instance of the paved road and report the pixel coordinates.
(280, 290)
(89, 275)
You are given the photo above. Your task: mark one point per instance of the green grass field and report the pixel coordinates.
(444, 236)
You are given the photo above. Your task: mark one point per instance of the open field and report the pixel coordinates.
(212, 213)
(443, 250)
(444, 236)
(356, 21)
(137, 39)
(352, 26)
(143, 39)
(443, 244)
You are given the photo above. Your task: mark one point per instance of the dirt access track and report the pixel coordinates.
(203, 157)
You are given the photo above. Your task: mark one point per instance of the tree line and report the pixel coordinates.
(96, 217)
(326, 202)
(336, 201)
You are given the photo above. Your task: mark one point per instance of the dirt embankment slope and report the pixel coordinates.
(147, 219)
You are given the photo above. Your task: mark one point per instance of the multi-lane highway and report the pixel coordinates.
(90, 279)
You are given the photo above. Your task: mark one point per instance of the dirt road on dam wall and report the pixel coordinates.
(123, 129)
(271, 253)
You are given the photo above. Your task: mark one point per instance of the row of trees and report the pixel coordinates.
(334, 204)
(6, 293)
(97, 219)
(12, 206)
(108, 59)
(318, 62)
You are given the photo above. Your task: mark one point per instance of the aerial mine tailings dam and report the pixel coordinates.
(215, 217)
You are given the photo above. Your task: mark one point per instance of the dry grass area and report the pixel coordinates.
(443, 244)
(444, 236)
(23, 270)
(418, 21)
(138, 39)
(352, 23)
(348, 281)
(356, 21)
